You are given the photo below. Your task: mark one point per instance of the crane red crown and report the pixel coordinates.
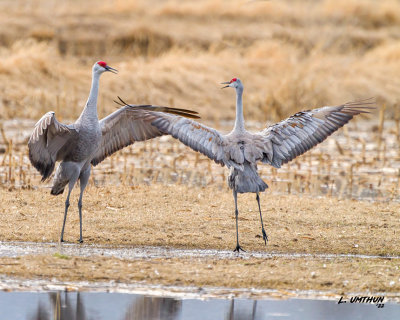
(233, 80)
(102, 63)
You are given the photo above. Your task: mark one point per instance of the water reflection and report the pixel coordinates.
(241, 314)
(154, 308)
(70, 306)
(119, 306)
(63, 307)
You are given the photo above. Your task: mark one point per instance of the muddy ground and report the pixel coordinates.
(202, 218)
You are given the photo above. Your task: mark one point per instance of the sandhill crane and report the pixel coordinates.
(241, 150)
(88, 140)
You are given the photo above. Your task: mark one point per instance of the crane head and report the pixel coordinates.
(234, 83)
(101, 66)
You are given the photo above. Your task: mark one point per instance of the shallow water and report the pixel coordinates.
(16, 249)
(100, 305)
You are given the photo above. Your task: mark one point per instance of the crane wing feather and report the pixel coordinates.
(195, 135)
(299, 133)
(132, 123)
(46, 142)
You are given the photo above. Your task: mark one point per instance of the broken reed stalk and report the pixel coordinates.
(124, 174)
(331, 185)
(21, 164)
(3, 134)
(157, 146)
(350, 181)
(380, 128)
(6, 142)
(196, 159)
(339, 147)
(320, 164)
(111, 163)
(210, 173)
(363, 156)
(397, 125)
(10, 162)
(397, 186)
(347, 135)
(125, 167)
(384, 154)
(288, 187)
(297, 163)
(151, 148)
(297, 183)
(131, 173)
(155, 176)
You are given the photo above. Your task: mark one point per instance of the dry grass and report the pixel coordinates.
(291, 55)
(335, 276)
(360, 162)
(203, 218)
(179, 216)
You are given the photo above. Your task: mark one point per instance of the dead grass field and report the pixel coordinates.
(291, 55)
(332, 276)
(184, 217)
(203, 218)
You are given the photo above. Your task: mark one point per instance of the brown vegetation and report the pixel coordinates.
(177, 216)
(332, 276)
(291, 55)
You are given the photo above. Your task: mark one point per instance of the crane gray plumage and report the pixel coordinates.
(89, 141)
(241, 150)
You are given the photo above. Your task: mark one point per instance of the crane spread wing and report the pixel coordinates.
(299, 133)
(47, 141)
(195, 135)
(132, 123)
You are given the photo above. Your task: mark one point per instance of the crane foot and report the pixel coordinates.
(80, 240)
(238, 248)
(265, 237)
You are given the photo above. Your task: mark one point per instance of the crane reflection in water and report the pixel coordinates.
(73, 306)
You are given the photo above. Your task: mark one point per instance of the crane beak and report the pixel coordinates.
(227, 82)
(108, 68)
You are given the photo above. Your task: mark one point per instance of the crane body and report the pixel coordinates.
(241, 150)
(89, 141)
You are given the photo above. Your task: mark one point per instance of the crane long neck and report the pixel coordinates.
(90, 110)
(239, 123)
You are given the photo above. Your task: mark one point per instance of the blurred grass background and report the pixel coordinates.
(291, 55)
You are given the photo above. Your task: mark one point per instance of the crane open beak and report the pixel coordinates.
(227, 82)
(108, 68)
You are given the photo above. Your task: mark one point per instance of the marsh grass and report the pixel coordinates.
(291, 55)
(361, 162)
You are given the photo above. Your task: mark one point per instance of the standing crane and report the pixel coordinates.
(89, 141)
(241, 150)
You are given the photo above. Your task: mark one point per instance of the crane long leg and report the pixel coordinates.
(238, 247)
(264, 234)
(70, 187)
(84, 178)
